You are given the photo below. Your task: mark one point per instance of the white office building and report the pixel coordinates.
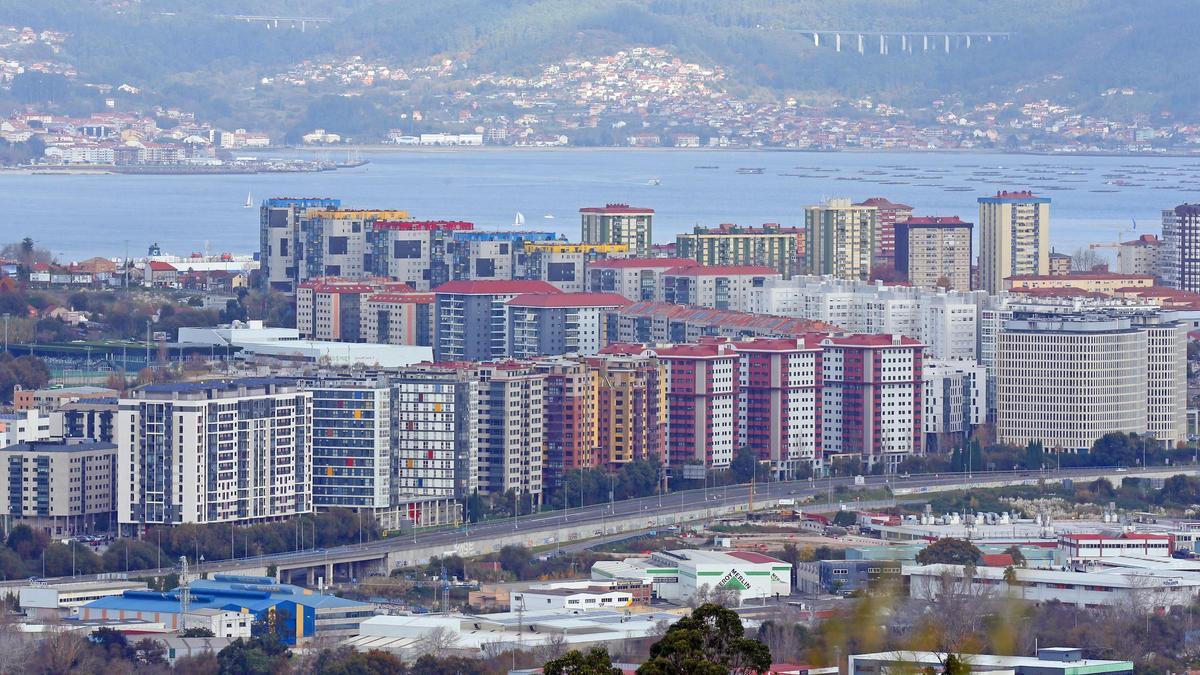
(211, 452)
(1066, 380)
(954, 400)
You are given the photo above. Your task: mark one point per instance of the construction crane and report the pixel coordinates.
(1120, 238)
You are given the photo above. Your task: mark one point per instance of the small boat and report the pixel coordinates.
(549, 216)
(751, 171)
(249, 201)
(653, 182)
(519, 219)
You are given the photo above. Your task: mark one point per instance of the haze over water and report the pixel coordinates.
(78, 216)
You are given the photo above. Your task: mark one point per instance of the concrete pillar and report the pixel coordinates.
(328, 574)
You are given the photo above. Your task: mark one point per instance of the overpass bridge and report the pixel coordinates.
(905, 41)
(573, 528)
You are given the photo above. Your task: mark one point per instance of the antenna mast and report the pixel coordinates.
(185, 593)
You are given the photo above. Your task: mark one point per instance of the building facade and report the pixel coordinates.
(471, 319)
(1181, 247)
(890, 215)
(1014, 237)
(770, 245)
(840, 239)
(935, 252)
(59, 487)
(619, 224)
(635, 278)
(631, 408)
(209, 452)
(779, 407)
(280, 244)
(351, 444)
(566, 323)
(565, 265)
(719, 287)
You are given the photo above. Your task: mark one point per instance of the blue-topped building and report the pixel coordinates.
(297, 614)
(280, 247)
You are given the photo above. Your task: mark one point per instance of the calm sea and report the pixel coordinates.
(1094, 198)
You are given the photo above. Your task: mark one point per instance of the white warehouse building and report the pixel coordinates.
(677, 575)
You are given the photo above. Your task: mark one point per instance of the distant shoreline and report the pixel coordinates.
(438, 149)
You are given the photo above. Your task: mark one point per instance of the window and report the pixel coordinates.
(338, 245)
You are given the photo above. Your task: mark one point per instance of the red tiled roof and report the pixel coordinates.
(777, 344)
(496, 287)
(160, 266)
(615, 209)
(881, 340)
(570, 300)
(720, 270)
(884, 203)
(402, 298)
(935, 220)
(1081, 276)
(996, 559)
(630, 263)
(1150, 239)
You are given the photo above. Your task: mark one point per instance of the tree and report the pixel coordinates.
(744, 464)
(1014, 552)
(949, 551)
(515, 559)
(955, 666)
(438, 640)
(711, 641)
(595, 662)
(197, 632)
(845, 518)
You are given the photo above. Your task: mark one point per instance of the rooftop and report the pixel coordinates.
(59, 446)
(720, 270)
(936, 221)
(616, 209)
(633, 263)
(496, 287)
(569, 300)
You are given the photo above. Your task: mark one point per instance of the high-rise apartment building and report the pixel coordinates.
(890, 215)
(512, 440)
(631, 408)
(415, 252)
(839, 239)
(1014, 237)
(351, 444)
(955, 402)
(396, 318)
(702, 404)
(281, 246)
(59, 487)
(619, 224)
(635, 278)
(871, 399)
(565, 265)
(338, 243)
(487, 256)
(934, 251)
(944, 321)
(544, 324)
(1140, 256)
(570, 399)
(330, 308)
(212, 452)
(1181, 248)
(779, 408)
(771, 245)
(436, 434)
(719, 287)
(471, 319)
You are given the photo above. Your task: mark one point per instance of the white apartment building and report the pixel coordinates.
(436, 432)
(944, 321)
(397, 318)
(1067, 380)
(29, 425)
(954, 400)
(718, 286)
(210, 452)
(635, 278)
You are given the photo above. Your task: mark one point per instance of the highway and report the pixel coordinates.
(657, 509)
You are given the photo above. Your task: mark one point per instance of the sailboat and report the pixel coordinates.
(549, 216)
(519, 220)
(249, 201)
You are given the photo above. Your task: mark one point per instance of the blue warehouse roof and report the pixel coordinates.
(223, 591)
